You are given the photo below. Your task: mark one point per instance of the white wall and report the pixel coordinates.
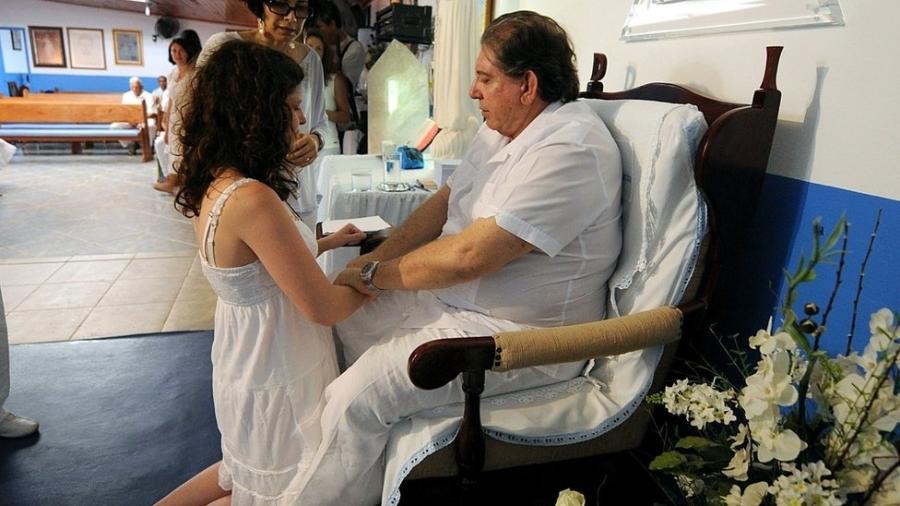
(40, 13)
(14, 62)
(840, 101)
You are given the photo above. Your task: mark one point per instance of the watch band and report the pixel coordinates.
(367, 275)
(320, 142)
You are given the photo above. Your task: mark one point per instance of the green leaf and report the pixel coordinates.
(694, 442)
(799, 338)
(836, 234)
(810, 275)
(668, 461)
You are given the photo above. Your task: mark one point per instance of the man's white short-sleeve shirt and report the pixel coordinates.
(130, 98)
(557, 186)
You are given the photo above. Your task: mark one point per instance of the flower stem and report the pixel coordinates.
(837, 283)
(879, 481)
(859, 286)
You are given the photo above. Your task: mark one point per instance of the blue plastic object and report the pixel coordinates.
(410, 158)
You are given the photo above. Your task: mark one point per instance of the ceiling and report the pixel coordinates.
(227, 12)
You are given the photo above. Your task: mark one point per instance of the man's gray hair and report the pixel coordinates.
(135, 79)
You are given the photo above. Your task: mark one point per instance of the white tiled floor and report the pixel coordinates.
(88, 249)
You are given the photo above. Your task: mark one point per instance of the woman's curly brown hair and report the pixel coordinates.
(237, 116)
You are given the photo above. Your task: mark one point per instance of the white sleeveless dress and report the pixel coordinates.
(270, 368)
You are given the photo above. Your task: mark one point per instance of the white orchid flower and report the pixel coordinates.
(889, 492)
(772, 384)
(767, 343)
(740, 463)
(570, 498)
(753, 495)
(883, 322)
(854, 480)
(782, 445)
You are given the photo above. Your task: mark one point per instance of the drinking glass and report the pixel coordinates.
(361, 180)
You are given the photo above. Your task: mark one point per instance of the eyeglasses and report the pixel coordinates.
(301, 10)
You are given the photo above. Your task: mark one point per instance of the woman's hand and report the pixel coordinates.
(350, 277)
(348, 234)
(304, 150)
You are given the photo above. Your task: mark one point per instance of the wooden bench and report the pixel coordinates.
(25, 119)
(104, 98)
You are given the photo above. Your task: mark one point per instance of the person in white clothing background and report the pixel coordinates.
(351, 53)
(135, 95)
(11, 426)
(525, 234)
(337, 90)
(183, 52)
(279, 26)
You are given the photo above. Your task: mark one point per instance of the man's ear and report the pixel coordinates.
(529, 88)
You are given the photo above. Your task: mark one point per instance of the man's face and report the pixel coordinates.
(163, 83)
(498, 95)
(137, 88)
(329, 30)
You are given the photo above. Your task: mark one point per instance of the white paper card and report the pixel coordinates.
(365, 223)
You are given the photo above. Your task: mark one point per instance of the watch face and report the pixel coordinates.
(366, 271)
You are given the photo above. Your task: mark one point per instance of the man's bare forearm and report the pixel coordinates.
(422, 226)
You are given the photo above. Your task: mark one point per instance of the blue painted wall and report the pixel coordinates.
(782, 231)
(91, 83)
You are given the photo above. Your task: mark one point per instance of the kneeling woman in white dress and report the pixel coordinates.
(272, 353)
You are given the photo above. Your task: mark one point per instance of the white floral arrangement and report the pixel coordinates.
(806, 428)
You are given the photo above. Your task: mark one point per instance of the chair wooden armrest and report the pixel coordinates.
(439, 362)
(436, 363)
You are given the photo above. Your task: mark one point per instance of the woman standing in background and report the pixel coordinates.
(280, 26)
(183, 52)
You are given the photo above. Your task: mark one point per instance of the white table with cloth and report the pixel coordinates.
(339, 201)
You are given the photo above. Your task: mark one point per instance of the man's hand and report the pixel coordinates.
(350, 277)
(361, 260)
(304, 150)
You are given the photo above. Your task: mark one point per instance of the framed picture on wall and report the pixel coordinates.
(128, 46)
(656, 19)
(47, 46)
(16, 35)
(86, 49)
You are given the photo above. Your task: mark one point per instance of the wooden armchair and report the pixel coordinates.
(729, 167)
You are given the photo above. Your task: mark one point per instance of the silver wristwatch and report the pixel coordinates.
(367, 275)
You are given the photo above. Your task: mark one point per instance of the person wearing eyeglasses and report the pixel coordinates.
(280, 25)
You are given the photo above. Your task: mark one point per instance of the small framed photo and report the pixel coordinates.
(16, 35)
(128, 46)
(47, 46)
(86, 50)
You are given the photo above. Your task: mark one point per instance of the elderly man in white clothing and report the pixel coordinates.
(525, 234)
(135, 95)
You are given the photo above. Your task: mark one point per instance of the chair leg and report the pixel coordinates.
(470, 440)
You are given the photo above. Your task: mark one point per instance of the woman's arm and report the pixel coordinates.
(341, 100)
(349, 234)
(263, 224)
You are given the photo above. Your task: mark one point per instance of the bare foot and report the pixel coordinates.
(165, 186)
